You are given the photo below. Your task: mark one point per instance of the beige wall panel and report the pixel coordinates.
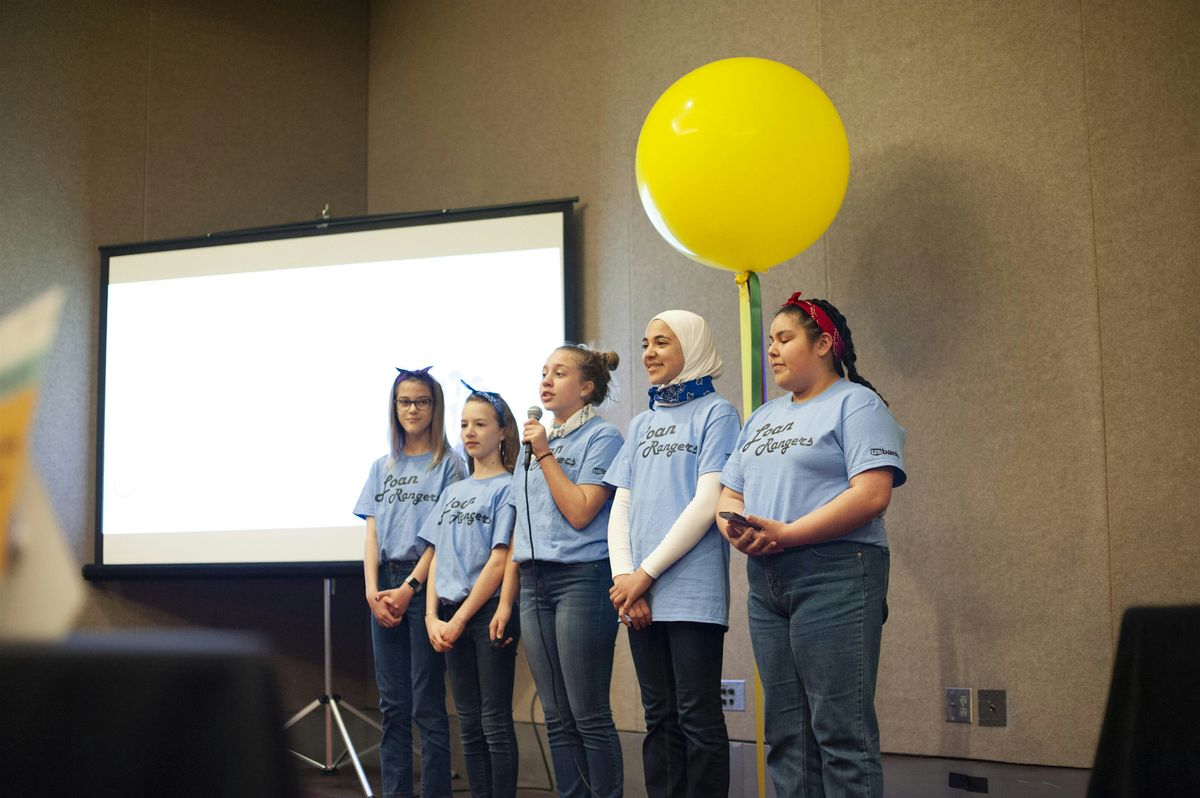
(1143, 76)
(963, 261)
(422, 153)
(257, 114)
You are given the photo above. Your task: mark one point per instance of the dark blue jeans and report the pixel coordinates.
(570, 631)
(481, 679)
(686, 749)
(816, 618)
(412, 688)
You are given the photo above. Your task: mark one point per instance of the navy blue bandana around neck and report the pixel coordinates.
(681, 392)
(491, 398)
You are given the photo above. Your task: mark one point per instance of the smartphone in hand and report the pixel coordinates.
(737, 519)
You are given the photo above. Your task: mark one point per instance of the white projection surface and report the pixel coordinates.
(246, 386)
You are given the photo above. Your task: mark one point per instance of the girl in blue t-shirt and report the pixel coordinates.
(670, 565)
(813, 472)
(561, 550)
(399, 493)
(469, 615)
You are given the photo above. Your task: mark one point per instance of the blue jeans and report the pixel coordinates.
(481, 679)
(570, 631)
(412, 688)
(816, 617)
(686, 749)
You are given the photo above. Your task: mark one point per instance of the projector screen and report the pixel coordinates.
(245, 378)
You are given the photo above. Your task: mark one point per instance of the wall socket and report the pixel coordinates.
(958, 704)
(993, 708)
(733, 695)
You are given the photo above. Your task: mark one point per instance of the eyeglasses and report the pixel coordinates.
(424, 403)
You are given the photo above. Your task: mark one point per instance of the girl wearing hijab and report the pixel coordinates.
(670, 565)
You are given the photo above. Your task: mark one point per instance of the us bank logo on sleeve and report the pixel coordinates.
(878, 452)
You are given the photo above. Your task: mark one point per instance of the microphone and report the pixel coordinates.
(535, 413)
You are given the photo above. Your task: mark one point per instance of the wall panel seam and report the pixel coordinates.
(821, 79)
(146, 127)
(366, 153)
(1087, 119)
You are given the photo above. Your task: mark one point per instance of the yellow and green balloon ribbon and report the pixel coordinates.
(754, 393)
(753, 365)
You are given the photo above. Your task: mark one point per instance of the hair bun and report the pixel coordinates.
(611, 360)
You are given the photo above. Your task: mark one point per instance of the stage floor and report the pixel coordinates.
(904, 777)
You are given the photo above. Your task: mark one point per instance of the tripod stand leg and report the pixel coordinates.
(302, 714)
(333, 713)
(361, 716)
(362, 777)
(307, 759)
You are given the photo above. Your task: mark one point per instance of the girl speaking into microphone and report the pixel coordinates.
(670, 565)
(561, 546)
(804, 494)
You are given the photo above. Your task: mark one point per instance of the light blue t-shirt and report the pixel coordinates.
(473, 517)
(401, 497)
(667, 450)
(792, 458)
(584, 455)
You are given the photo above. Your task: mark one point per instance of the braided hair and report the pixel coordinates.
(845, 366)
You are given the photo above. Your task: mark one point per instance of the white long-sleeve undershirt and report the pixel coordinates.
(685, 533)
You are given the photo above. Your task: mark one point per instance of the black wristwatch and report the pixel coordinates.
(414, 584)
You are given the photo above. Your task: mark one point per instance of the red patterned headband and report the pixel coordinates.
(819, 316)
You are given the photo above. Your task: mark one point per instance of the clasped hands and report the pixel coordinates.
(389, 606)
(443, 634)
(627, 596)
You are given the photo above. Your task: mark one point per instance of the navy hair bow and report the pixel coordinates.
(419, 374)
(492, 398)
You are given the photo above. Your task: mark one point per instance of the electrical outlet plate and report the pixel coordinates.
(733, 695)
(993, 708)
(958, 704)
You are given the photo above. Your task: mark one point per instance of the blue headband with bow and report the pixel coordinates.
(492, 398)
(419, 374)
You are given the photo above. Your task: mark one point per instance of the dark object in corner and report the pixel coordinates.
(1150, 741)
(961, 781)
(180, 713)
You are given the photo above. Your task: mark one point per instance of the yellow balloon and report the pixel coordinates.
(742, 164)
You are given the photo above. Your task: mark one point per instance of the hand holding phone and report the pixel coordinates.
(737, 519)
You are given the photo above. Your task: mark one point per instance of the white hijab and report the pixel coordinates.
(700, 358)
